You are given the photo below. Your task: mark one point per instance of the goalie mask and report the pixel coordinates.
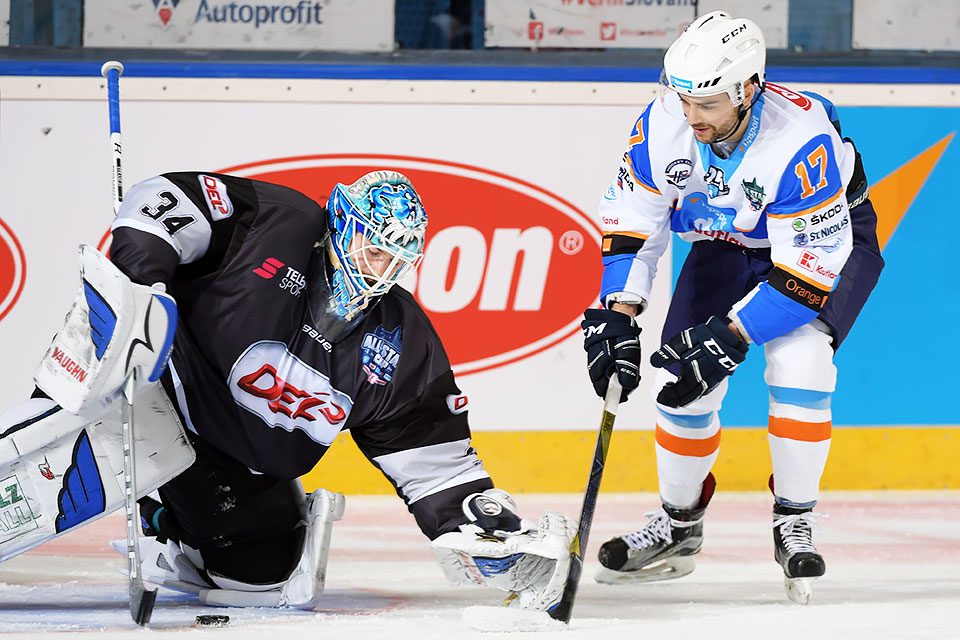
(377, 227)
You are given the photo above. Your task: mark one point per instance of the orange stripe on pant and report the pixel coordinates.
(688, 446)
(798, 430)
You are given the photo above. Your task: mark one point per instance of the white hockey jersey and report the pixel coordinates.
(783, 187)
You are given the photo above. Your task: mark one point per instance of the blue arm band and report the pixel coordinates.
(616, 271)
(770, 314)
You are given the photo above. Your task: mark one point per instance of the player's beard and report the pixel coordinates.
(711, 135)
(719, 133)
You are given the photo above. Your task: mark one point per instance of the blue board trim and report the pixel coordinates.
(850, 75)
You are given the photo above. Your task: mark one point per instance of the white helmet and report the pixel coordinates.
(715, 54)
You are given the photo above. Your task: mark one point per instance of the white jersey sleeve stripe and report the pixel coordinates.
(159, 207)
(424, 471)
(146, 227)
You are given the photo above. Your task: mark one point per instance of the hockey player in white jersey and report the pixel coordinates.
(784, 255)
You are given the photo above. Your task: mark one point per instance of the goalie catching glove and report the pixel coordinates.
(707, 353)
(499, 549)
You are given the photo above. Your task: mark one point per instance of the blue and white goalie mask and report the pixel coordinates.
(377, 226)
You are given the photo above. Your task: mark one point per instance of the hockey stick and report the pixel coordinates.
(578, 547)
(141, 599)
(506, 619)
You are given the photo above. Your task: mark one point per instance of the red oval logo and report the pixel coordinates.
(508, 267)
(13, 269)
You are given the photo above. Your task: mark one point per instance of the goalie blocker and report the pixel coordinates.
(114, 329)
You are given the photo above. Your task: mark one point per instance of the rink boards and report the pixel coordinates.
(505, 288)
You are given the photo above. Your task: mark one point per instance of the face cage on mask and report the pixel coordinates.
(360, 280)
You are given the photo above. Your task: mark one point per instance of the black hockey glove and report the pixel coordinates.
(611, 340)
(707, 353)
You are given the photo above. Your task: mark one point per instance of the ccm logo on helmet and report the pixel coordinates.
(740, 29)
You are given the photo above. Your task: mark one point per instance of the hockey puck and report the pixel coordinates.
(213, 621)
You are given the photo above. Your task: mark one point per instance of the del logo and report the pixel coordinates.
(285, 392)
(12, 269)
(487, 270)
(215, 193)
(165, 9)
(380, 353)
(798, 99)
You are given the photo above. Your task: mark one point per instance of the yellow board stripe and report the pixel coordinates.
(861, 458)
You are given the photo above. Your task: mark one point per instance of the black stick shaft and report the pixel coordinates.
(578, 547)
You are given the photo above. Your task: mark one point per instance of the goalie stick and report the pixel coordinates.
(506, 619)
(141, 599)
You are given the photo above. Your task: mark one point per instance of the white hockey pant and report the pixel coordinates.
(801, 378)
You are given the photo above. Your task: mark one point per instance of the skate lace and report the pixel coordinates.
(656, 531)
(796, 531)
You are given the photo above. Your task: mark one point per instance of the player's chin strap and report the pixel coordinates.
(743, 114)
(498, 549)
(180, 567)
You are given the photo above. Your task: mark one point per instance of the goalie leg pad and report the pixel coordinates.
(59, 470)
(178, 566)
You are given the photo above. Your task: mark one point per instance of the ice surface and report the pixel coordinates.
(893, 572)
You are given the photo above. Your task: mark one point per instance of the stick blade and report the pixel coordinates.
(141, 605)
(509, 619)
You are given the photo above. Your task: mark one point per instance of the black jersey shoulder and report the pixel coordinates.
(410, 308)
(246, 194)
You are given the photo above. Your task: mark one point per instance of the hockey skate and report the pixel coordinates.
(794, 550)
(662, 550)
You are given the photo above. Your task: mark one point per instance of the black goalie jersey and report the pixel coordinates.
(253, 375)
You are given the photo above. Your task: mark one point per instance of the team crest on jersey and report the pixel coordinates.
(716, 184)
(380, 354)
(678, 171)
(754, 193)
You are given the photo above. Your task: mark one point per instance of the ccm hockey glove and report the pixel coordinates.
(611, 340)
(707, 353)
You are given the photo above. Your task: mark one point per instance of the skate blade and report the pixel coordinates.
(668, 569)
(509, 619)
(799, 590)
